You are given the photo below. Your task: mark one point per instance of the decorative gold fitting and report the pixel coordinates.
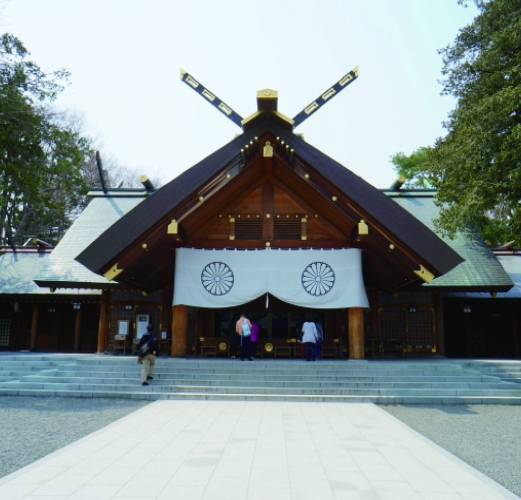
(208, 95)
(201, 198)
(267, 151)
(334, 198)
(424, 274)
(330, 93)
(113, 272)
(225, 109)
(306, 176)
(268, 244)
(144, 246)
(268, 216)
(391, 247)
(363, 229)
(172, 228)
(192, 82)
(311, 108)
(145, 294)
(228, 176)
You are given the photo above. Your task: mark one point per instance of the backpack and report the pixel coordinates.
(245, 329)
(145, 348)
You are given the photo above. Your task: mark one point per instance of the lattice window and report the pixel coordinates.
(287, 229)
(5, 330)
(421, 333)
(405, 298)
(393, 324)
(246, 229)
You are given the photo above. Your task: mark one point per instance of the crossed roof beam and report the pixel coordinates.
(310, 109)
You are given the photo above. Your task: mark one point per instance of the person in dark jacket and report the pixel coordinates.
(149, 359)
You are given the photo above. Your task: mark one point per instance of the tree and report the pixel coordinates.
(414, 168)
(40, 159)
(477, 166)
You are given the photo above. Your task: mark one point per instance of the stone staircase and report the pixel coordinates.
(381, 381)
(507, 370)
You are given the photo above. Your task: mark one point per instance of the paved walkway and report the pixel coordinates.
(252, 450)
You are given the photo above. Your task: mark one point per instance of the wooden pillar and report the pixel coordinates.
(77, 331)
(34, 327)
(514, 332)
(356, 333)
(179, 331)
(166, 312)
(440, 331)
(104, 315)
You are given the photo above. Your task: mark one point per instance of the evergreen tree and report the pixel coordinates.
(40, 159)
(477, 166)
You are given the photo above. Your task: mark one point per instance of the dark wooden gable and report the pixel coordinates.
(256, 192)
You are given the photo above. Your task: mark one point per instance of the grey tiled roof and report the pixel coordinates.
(61, 268)
(481, 270)
(18, 270)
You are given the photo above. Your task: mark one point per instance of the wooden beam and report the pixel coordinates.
(267, 211)
(334, 230)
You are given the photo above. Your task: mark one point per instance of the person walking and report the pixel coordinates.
(147, 354)
(255, 329)
(243, 328)
(309, 337)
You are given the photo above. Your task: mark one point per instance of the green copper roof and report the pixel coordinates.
(481, 270)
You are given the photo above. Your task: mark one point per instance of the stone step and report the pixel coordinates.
(324, 384)
(381, 400)
(159, 386)
(132, 374)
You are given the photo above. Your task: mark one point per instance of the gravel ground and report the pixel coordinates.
(33, 427)
(487, 437)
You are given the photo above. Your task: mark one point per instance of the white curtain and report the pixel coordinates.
(322, 279)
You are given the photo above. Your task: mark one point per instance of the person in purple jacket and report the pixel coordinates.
(255, 329)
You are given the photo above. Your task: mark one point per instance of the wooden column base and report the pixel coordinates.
(356, 333)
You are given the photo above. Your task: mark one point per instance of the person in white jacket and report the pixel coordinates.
(309, 337)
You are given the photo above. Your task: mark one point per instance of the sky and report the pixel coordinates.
(125, 57)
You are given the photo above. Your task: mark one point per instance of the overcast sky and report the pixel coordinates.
(125, 57)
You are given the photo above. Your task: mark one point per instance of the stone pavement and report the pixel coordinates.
(252, 450)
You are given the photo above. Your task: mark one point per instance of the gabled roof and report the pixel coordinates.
(356, 197)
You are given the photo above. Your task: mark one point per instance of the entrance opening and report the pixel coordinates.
(280, 328)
